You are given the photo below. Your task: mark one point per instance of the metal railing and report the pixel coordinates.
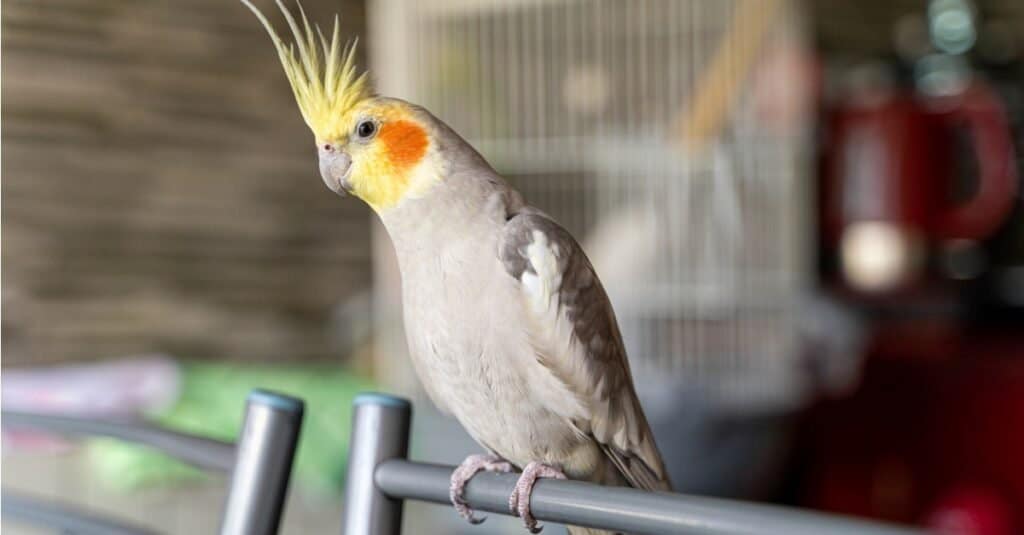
(380, 478)
(64, 518)
(201, 452)
(260, 465)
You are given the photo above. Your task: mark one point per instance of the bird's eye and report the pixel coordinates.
(366, 129)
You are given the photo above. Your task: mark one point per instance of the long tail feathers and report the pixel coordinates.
(573, 530)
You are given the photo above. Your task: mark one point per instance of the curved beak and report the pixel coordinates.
(335, 165)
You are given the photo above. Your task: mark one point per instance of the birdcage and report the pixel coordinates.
(668, 136)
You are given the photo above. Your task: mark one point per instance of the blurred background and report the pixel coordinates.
(807, 214)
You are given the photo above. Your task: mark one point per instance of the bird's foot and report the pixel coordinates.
(465, 471)
(519, 501)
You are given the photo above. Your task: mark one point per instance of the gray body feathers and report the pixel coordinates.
(510, 330)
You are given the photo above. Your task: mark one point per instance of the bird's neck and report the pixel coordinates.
(457, 208)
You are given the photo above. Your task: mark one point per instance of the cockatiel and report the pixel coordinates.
(508, 326)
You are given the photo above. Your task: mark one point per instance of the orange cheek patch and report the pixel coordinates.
(404, 141)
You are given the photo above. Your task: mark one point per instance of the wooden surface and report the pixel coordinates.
(160, 191)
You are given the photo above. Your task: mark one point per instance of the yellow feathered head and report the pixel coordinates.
(326, 86)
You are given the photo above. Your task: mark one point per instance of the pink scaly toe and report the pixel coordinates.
(464, 472)
(519, 501)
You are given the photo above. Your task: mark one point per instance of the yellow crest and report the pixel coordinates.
(325, 87)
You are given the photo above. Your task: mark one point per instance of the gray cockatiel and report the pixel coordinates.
(508, 326)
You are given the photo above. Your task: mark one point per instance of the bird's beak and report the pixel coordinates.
(335, 165)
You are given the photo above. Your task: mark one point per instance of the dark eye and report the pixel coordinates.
(366, 129)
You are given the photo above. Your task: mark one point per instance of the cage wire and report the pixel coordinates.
(641, 128)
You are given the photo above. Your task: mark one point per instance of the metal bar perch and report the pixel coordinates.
(380, 440)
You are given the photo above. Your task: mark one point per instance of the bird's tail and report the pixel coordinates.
(573, 530)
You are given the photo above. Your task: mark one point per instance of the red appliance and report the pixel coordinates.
(890, 174)
(933, 436)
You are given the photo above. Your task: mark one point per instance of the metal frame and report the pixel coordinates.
(260, 465)
(263, 464)
(64, 518)
(380, 478)
(380, 432)
(201, 452)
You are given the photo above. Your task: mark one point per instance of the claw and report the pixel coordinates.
(519, 501)
(461, 476)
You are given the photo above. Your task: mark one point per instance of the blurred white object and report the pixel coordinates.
(120, 388)
(877, 256)
(124, 387)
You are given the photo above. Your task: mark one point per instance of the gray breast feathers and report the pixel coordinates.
(574, 335)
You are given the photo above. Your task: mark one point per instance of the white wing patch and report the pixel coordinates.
(542, 285)
(551, 332)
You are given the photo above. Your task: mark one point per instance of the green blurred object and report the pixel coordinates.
(212, 403)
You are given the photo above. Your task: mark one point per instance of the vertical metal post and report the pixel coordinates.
(380, 431)
(263, 464)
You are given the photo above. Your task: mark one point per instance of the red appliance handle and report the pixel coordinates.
(983, 113)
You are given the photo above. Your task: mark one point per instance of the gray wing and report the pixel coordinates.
(577, 338)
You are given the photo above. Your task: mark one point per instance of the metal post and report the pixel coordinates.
(263, 465)
(380, 431)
